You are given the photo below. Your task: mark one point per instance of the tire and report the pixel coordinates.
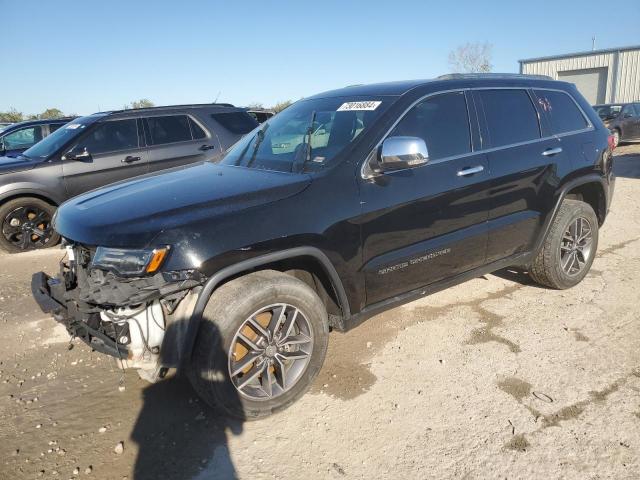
(553, 265)
(33, 218)
(225, 316)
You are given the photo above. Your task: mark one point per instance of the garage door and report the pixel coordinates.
(592, 82)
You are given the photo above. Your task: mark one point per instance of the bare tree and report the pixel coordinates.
(471, 58)
(278, 107)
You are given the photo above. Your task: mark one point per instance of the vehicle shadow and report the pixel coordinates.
(516, 275)
(179, 436)
(627, 165)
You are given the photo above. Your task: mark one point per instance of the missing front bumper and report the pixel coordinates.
(49, 293)
(94, 326)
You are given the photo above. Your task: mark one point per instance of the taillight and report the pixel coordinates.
(611, 141)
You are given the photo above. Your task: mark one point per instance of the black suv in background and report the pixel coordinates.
(341, 206)
(103, 148)
(623, 119)
(16, 138)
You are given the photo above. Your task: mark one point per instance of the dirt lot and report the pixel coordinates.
(495, 378)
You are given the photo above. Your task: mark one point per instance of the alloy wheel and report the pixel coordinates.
(270, 351)
(576, 246)
(27, 227)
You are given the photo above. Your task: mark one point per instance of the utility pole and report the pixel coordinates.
(593, 43)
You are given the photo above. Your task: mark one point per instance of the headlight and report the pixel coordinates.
(126, 262)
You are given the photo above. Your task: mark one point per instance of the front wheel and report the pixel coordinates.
(262, 342)
(569, 248)
(25, 224)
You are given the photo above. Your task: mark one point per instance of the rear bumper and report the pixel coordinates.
(49, 293)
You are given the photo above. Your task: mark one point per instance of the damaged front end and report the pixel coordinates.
(139, 317)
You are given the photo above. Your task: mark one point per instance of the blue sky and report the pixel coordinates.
(82, 55)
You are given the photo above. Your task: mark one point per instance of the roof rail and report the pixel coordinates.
(186, 105)
(461, 76)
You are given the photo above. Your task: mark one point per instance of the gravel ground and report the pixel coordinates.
(495, 378)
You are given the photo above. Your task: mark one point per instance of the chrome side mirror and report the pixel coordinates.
(77, 153)
(398, 153)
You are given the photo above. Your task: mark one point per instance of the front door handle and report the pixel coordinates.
(130, 159)
(204, 148)
(470, 171)
(549, 152)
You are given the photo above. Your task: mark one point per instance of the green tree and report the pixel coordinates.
(12, 116)
(51, 113)
(142, 103)
(278, 107)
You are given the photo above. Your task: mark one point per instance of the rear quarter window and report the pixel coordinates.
(236, 122)
(510, 116)
(563, 113)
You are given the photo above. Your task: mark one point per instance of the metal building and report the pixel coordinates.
(602, 76)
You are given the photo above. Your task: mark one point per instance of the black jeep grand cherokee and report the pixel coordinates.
(343, 205)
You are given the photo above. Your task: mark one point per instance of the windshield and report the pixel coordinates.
(608, 111)
(51, 144)
(308, 135)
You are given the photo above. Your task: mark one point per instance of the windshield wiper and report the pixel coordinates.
(260, 134)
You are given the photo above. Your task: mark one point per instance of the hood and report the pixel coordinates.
(14, 164)
(130, 214)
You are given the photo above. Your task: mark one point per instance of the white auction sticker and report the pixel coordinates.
(73, 126)
(359, 106)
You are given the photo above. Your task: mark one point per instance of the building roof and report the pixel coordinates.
(580, 54)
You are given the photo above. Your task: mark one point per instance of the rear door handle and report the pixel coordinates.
(470, 171)
(130, 159)
(552, 151)
(204, 148)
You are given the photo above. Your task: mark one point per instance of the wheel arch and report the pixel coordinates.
(12, 194)
(590, 189)
(309, 264)
(592, 193)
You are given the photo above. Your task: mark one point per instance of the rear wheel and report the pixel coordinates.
(262, 342)
(25, 224)
(569, 248)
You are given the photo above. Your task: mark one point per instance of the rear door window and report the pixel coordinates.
(168, 129)
(563, 113)
(510, 116)
(442, 122)
(112, 136)
(236, 122)
(196, 130)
